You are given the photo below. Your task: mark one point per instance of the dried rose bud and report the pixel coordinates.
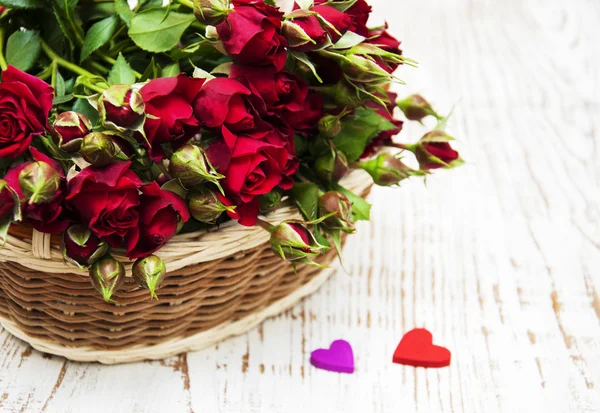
(98, 149)
(107, 276)
(149, 272)
(434, 151)
(387, 170)
(336, 203)
(415, 107)
(39, 182)
(331, 166)
(205, 206)
(293, 242)
(191, 166)
(71, 127)
(211, 12)
(270, 202)
(121, 106)
(81, 246)
(9, 200)
(330, 125)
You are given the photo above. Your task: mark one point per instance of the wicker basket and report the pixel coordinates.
(219, 284)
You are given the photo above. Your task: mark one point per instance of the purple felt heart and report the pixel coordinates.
(338, 357)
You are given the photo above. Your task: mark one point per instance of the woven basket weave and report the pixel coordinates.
(218, 284)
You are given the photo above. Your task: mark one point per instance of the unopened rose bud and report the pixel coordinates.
(149, 273)
(71, 127)
(293, 242)
(121, 106)
(270, 202)
(98, 149)
(330, 125)
(107, 276)
(363, 70)
(387, 170)
(9, 200)
(296, 37)
(211, 12)
(415, 107)
(205, 206)
(331, 166)
(336, 203)
(434, 151)
(191, 166)
(81, 246)
(39, 182)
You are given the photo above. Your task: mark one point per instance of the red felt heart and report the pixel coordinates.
(416, 349)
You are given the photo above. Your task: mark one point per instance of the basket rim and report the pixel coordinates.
(38, 253)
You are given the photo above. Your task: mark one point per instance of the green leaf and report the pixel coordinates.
(98, 35)
(124, 12)
(121, 73)
(153, 32)
(171, 70)
(83, 106)
(151, 72)
(64, 10)
(301, 57)
(306, 196)
(60, 88)
(23, 49)
(23, 4)
(59, 100)
(359, 130)
(361, 209)
(348, 40)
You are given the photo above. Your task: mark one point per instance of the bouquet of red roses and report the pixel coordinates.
(123, 124)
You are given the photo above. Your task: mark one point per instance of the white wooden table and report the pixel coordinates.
(500, 259)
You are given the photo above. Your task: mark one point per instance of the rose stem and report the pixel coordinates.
(70, 66)
(186, 3)
(3, 64)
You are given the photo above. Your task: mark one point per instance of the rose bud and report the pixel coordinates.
(121, 106)
(331, 166)
(98, 149)
(206, 207)
(304, 34)
(191, 166)
(434, 151)
(9, 200)
(211, 12)
(387, 170)
(80, 246)
(330, 125)
(39, 182)
(149, 272)
(107, 276)
(294, 242)
(270, 202)
(360, 69)
(336, 203)
(415, 107)
(71, 127)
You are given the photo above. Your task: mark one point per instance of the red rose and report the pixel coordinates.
(49, 216)
(160, 214)
(226, 102)
(387, 42)
(384, 137)
(169, 101)
(359, 13)
(337, 19)
(308, 119)
(441, 150)
(106, 200)
(304, 33)
(283, 93)
(7, 202)
(250, 34)
(25, 102)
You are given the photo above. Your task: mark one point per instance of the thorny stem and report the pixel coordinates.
(3, 64)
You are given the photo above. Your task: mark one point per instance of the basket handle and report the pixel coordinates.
(41, 244)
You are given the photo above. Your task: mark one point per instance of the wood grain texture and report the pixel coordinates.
(499, 259)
